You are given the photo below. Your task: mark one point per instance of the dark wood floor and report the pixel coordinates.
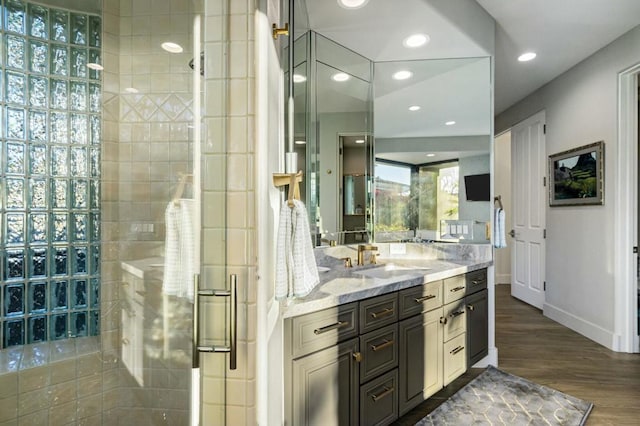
(541, 350)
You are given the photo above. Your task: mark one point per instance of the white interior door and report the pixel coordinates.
(528, 159)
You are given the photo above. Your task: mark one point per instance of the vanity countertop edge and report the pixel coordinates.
(351, 285)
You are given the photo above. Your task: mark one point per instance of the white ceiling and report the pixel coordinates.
(561, 32)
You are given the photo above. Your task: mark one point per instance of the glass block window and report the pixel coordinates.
(50, 90)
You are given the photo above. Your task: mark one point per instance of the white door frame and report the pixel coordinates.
(626, 213)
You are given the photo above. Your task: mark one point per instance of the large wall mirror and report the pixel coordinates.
(388, 156)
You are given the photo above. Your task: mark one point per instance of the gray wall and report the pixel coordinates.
(581, 108)
(474, 210)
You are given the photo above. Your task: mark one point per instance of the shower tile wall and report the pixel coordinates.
(228, 166)
(153, 151)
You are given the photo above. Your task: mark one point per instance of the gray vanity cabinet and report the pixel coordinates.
(477, 307)
(325, 386)
(421, 361)
(371, 361)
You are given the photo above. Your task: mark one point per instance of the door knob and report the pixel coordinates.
(512, 233)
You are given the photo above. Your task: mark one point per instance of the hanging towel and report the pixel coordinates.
(179, 253)
(296, 270)
(499, 236)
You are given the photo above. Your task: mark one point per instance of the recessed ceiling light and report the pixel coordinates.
(402, 75)
(301, 142)
(131, 90)
(431, 155)
(414, 107)
(95, 66)
(416, 40)
(340, 76)
(359, 140)
(352, 4)
(172, 47)
(526, 57)
(450, 123)
(297, 78)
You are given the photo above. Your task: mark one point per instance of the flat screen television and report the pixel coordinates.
(477, 187)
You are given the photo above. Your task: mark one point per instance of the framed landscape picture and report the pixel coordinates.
(576, 177)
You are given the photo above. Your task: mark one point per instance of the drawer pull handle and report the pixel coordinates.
(476, 282)
(382, 345)
(456, 350)
(339, 324)
(443, 320)
(470, 307)
(455, 314)
(453, 290)
(385, 392)
(425, 298)
(357, 357)
(383, 313)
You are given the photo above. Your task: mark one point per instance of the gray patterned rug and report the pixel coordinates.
(499, 398)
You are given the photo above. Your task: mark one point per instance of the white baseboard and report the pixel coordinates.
(503, 278)
(490, 359)
(588, 329)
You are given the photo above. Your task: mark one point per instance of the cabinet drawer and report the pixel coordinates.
(454, 288)
(476, 281)
(378, 312)
(379, 400)
(456, 315)
(420, 299)
(321, 329)
(379, 351)
(455, 358)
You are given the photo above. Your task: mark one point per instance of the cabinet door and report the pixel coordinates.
(421, 363)
(456, 316)
(325, 386)
(455, 358)
(477, 326)
(379, 400)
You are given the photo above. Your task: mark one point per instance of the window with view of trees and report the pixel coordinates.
(415, 197)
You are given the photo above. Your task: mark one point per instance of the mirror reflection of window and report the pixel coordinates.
(438, 194)
(393, 197)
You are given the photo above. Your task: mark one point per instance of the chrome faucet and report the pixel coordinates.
(365, 247)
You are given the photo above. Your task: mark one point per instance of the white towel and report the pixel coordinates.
(296, 270)
(499, 235)
(179, 253)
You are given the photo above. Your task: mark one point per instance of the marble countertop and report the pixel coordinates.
(339, 285)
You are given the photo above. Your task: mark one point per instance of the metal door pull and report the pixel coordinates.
(232, 294)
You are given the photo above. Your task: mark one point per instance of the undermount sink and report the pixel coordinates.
(391, 270)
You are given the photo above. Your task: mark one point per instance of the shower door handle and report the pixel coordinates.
(232, 294)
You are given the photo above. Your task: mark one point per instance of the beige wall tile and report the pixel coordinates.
(8, 409)
(34, 378)
(8, 384)
(37, 418)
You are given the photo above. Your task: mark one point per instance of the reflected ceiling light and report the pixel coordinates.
(431, 155)
(301, 142)
(131, 90)
(402, 75)
(414, 107)
(352, 4)
(359, 140)
(526, 56)
(340, 76)
(297, 78)
(95, 66)
(172, 47)
(416, 40)
(450, 123)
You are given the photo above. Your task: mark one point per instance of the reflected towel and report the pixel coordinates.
(179, 253)
(499, 235)
(296, 270)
